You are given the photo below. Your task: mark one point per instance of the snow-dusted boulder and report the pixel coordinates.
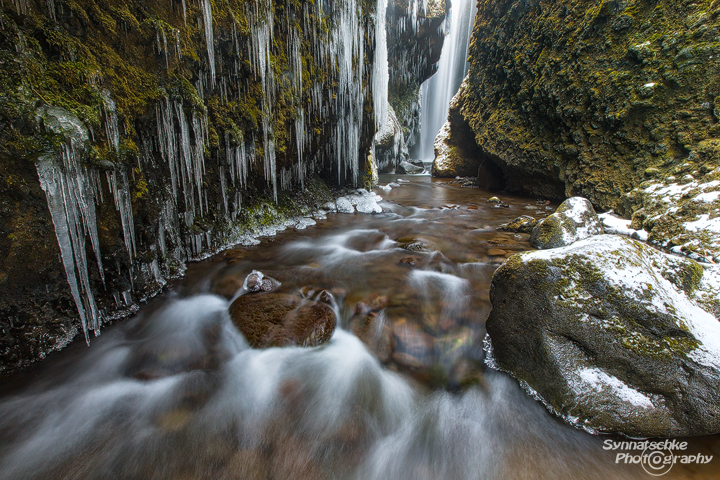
(574, 220)
(612, 334)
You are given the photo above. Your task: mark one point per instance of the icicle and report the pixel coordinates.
(111, 121)
(209, 37)
(178, 50)
(51, 8)
(165, 49)
(70, 190)
(223, 188)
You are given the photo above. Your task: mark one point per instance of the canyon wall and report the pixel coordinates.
(593, 98)
(136, 136)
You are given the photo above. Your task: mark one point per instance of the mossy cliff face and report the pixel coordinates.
(583, 97)
(201, 116)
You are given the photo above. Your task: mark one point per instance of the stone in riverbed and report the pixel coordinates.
(522, 224)
(573, 220)
(277, 320)
(258, 282)
(612, 334)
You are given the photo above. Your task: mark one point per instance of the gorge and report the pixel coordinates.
(236, 195)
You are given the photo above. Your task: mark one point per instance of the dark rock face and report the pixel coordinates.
(582, 98)
(613, 335)
(278, 320)
(415, 41)
(573, 220)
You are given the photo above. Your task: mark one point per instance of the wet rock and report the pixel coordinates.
(414, 244)
(226, 286)
(407, 167)
(374, 331)
(413, 348)
(574, 220)
(277, 319)
(409, 261)
(522, 224)
(318, 295)
(258, 282)
(612, 334)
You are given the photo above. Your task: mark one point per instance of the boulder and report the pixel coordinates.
(278, 319)
(613, 335)
(409, 168)
(574, 220)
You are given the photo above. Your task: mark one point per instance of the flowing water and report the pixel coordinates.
(176, 393)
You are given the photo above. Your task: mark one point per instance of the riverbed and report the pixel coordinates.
(176, 392)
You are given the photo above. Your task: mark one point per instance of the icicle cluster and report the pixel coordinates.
(71, 192)
(260, 15)
(206, 7)
(182, 145)
(331, 36)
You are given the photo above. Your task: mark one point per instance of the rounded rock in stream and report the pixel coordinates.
(612, 334)
(573, 220)
(278, 320)
(522, 224)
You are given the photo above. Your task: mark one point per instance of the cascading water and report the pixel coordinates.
(177, 392)
(437, 92)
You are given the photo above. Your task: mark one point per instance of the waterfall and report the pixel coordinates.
(381, 72)
(440, 88)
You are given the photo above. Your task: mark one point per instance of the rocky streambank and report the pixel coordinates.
(613, 101)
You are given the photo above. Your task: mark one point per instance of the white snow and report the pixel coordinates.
(619, 226)
(599, 381)
(704, 223)
(708, 197)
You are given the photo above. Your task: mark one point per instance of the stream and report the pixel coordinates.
(176, 392)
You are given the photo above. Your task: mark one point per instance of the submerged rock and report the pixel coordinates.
(278, 319)
(613, 335)
(574, 220)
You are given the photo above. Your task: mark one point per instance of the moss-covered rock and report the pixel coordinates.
(585, 97)
(573, 220)
(522, 224)
(613, 335)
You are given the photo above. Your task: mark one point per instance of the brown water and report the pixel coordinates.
(177, 393)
